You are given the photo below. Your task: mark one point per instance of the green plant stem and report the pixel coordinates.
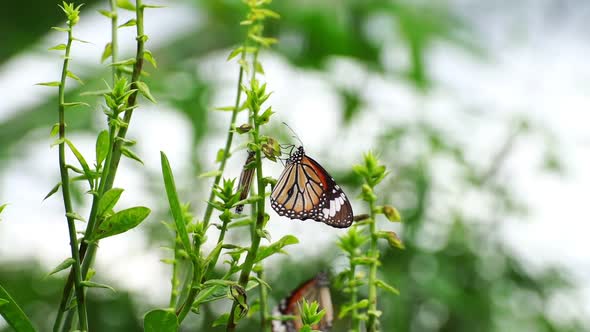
(174, 281)
(372, 323)
(228, 143)
(88, 250)
(263, 302)
(114, 39)
(81, 303)
(356, 323)
(251, 256)
(194, 291)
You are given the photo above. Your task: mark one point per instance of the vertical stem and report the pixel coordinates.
(374, 254)
(87, 251)
(114, 39)
(66, 191)
(251, 256)
(263, 301)
(209, 210)
(174, 281)
(356, 323)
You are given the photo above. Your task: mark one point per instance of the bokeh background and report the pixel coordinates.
(478, 108)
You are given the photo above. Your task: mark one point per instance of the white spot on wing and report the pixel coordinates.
(332, 209)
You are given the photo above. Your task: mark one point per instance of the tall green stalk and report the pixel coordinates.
(372, 323)
(88, 249)
(77, 275)
(251, 256)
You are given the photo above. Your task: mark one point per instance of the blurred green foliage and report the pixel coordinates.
(469, 282)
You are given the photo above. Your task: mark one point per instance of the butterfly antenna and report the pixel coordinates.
(294, 134)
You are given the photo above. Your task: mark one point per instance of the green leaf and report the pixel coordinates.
(349, 307)
(210, 174)
(75, 216)
(106, 13)
(276, 247)
(91, 284)
(265, 117)
(221, 320)
(235, 52)
(54, 83)
(145, 91)
(13, 314)
(150, 58)
(52, 191)
(54, 130)
(81, 159)
(160, 320)
(153, 6)
(130, 154)
(57, 142)
(131, 23)
(385, 286)
(75, 103)
(102, 146)
(94, 93)
(75, 77)
(128, 62)
(220, 155)
(174, 202)
(264, 41)
(122, 221)
(62, 266)
(2, 207)
(59, 47)
(60, 29)
(108, 201)
(125, 4)
(107, 52)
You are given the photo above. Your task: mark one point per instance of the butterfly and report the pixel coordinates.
(315, 289)
(246, 180)
(305, 190)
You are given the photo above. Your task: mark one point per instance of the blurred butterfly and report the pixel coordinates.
(305, 190)
(246, 180)
(315, 289)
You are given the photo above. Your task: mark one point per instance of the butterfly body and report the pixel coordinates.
(305, 190)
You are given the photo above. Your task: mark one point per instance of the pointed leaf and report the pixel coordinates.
(128, 62)
(383, 285)
(13, 314)
(122, 221)
(73, 76)
(107, 52)
(106, 13)
(91, 284)
(75, 216)
(54, 83)
(108, 201)
(210, 174)
(131, 23)
(59, 47)
(150, 58)
(125, 4)
(174, 202)
(60, 29)
(62, 266)
(145, 91)
(275, 247)
(52, 191)
(235, 52)
(102, 146)
(160, 320)
(75, 103)
(54, 129)
(80, 158)
(130, 154)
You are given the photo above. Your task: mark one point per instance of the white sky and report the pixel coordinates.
(543, 73)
